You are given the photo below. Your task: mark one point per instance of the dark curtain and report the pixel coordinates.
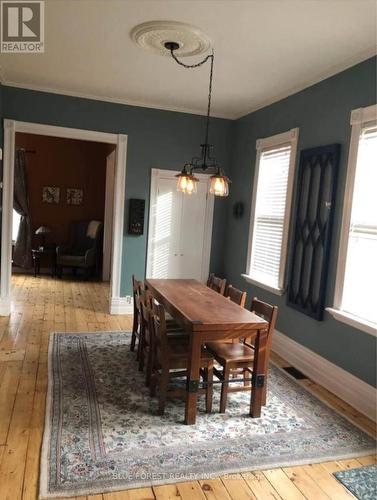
(22, 249)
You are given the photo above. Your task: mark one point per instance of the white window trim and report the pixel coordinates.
(359, 117)
(289, 137)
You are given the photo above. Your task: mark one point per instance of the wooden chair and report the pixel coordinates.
(145, 300)
(136, 289)
(235, 295)
(171, 353)
(242, 357)
(217, 284)
(145, 356)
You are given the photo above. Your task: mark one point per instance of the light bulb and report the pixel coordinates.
(219, 185)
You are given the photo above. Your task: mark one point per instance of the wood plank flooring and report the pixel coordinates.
(41, 305)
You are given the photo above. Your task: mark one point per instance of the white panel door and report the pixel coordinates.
(165, 237)
(180, 228)
(192, 233)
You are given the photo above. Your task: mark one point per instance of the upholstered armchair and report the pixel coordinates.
(84, 251)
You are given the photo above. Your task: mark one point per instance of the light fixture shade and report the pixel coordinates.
(187, 183)
(43, 230)
(219, 185)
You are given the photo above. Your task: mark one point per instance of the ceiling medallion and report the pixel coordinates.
(153, 35)
(178, 39)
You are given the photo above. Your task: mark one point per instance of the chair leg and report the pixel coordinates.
(141, 353)
(163, 389)
(150, 364)
(134, 330)
(208, 377)
(224, 389)
(153, 385)
(138, 349)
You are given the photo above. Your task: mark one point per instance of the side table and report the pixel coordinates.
(38, 253)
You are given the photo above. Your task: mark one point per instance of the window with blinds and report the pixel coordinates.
(270, 216)
(360, 277)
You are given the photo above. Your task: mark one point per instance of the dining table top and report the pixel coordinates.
(200, 307)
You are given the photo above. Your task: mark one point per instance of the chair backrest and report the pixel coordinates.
(265, 311)
(160, 332)
(268, 313)
(146, 301)
(86, 235)
(216, 284)
(235, 295)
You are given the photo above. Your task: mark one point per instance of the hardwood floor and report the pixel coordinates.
(41, 305)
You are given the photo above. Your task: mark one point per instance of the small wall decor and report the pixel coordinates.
(314, 209)
(75, 196)
(50, 194)
(136, 217)
(238, 210)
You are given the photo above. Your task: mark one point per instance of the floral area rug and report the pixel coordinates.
(361, 482)
(103, 433)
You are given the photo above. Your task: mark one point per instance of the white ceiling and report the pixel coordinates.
(264, 50)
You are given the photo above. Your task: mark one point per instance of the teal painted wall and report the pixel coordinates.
(322, 113)
(162, 139)
(156, 139)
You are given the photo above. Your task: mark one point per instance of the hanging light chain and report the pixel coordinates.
(197, 65)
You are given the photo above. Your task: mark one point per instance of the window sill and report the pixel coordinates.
(276, 291)
(350, 319)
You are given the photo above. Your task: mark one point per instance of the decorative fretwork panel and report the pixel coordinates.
(313, 219)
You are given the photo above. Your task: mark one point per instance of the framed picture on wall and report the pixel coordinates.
(50, 194)
(75, 196)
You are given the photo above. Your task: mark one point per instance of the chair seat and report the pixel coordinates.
(225, 353)
(72, 260)
(181, 350)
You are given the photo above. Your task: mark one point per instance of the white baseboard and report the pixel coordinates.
(121, 305)
(346, 386)
(5, 306)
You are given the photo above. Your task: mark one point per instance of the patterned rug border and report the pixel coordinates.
(43, 479)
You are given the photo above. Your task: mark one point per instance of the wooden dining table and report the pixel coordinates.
(208, 316)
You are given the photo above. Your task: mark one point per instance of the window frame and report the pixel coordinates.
(289, 137)
(359, 118)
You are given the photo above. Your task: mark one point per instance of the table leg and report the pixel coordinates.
(193, 378)
(35, 266)
(259, 375)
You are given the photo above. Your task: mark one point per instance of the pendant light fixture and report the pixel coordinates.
(187, 182)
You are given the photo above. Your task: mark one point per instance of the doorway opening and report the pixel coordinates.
(63, 205)
(60, 187)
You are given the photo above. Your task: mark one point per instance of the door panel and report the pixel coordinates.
(177, 231)
(192, 233)
(165, 237)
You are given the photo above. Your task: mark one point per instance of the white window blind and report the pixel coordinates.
(269, 215)
(360, 278)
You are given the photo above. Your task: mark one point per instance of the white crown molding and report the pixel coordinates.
(343, 384)
(125, 102)
(121, 305)
(346, 64)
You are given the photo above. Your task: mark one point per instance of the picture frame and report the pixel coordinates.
(75, 196)
(51, 194)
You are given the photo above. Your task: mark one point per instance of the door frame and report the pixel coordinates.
(157, 174)
(120, 142)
